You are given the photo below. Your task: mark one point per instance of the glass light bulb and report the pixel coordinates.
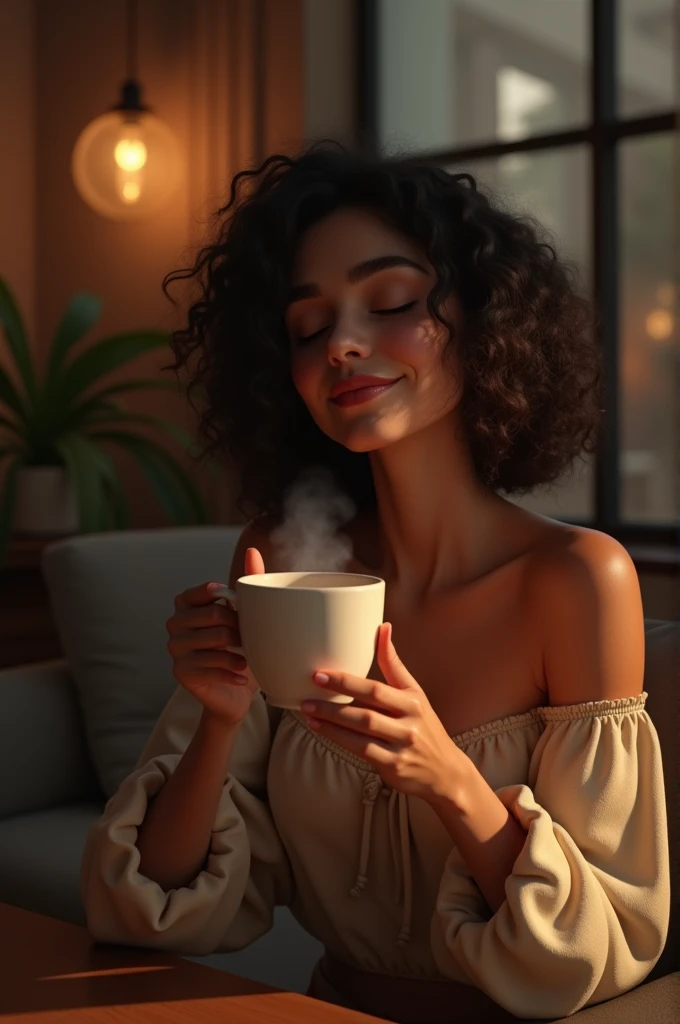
(126, 165)
(130, 153)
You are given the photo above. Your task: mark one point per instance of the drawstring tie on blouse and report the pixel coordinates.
(373, 787)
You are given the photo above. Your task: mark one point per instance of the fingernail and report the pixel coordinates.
(321, 678)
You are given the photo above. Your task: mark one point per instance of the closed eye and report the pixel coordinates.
(310, 337)
(396, 309)
(378, 312)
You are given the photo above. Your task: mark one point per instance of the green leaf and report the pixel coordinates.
(87, 471)
(117, 415)
(172, 486)
(101, 459)
(7, 505)
(81, 313)
(169, 493)
(11, 397)
(119, 514)
(114, 508)
(100, 359)
(80, 415)
(12, 426)
(13, 323)
(135, 385)
(91, 414)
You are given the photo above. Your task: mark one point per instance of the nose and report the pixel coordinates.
(346, 343)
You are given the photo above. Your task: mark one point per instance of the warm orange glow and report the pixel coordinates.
(107, 973)
(635, 371)
(126, 169)
(130, 191)
(130, 154)
(659, 324)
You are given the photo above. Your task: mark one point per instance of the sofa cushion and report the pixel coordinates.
(112, 594)
(44, 758)
(40, 856)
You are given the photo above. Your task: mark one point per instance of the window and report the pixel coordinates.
(564, 108)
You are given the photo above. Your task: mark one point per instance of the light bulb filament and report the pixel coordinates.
(130, 154)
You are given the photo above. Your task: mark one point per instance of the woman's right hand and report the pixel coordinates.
(200, 632)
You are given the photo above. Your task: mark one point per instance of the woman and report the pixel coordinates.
(519, 863)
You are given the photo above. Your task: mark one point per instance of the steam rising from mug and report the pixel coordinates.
(314, 510)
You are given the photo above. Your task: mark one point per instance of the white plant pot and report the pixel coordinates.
(45, 501)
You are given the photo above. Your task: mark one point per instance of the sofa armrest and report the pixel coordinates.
(44, 760)
(656, 1001)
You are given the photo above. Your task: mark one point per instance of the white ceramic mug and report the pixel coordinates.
(293, 624)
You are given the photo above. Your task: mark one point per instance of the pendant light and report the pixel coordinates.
(126, 164)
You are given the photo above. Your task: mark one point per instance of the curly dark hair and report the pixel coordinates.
(531, 367)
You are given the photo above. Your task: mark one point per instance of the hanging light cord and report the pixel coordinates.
(132, 34)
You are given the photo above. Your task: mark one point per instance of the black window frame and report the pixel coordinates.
(602, 135)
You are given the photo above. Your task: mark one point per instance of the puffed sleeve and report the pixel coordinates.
(587, 904)
(231, 901)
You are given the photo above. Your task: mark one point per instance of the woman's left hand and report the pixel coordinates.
(395, 728)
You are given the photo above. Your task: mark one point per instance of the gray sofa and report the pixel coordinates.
(71, 730)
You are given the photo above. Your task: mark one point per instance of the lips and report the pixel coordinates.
(364, 392)
(359, 381)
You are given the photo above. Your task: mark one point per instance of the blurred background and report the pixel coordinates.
(565, 109)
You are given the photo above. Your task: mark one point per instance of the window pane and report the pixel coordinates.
(648, 329)
(459, 71)
(645, 56)
(551, 186)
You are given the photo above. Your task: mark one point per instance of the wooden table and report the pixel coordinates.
(53, 973)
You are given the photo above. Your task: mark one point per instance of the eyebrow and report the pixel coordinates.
(358, 273)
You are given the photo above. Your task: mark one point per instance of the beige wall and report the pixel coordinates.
(63, 64)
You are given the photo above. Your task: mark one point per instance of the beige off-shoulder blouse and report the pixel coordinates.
(372, 874)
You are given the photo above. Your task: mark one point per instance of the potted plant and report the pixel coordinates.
(58, 477)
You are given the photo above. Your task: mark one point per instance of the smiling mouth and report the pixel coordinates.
(357, 396)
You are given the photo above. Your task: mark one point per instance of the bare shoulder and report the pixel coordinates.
(580, 552)
(584, 595)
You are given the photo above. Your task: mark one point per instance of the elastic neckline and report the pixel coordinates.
(325, 741)
(552, 713)
(545, 713)
(593, 708)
